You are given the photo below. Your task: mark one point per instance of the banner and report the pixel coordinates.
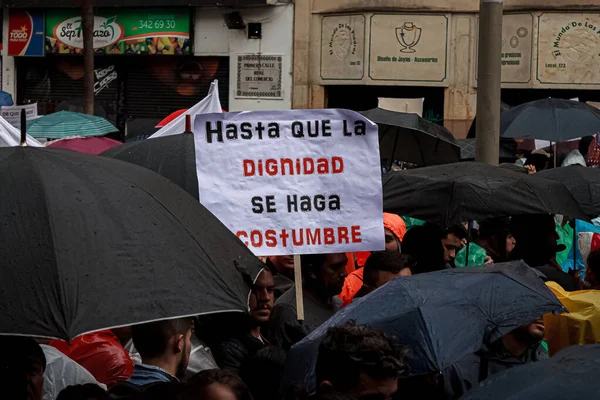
(12, 114)
(121, 31)
(25, 33)
(292, 182)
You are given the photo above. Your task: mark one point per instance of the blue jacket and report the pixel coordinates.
(144, 374)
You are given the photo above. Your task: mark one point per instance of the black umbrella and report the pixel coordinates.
(508, 149)
(173, 157)
(410, 138)
(90, 243)
(570, 374)
(555, 120)
(441, 317)
(582, 182)
(454, 193)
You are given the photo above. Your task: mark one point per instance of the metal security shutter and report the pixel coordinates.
(157, 86)
(56, 83)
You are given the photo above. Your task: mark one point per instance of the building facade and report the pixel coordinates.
(349, 53)
(150, 61)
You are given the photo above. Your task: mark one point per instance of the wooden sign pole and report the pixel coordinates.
(298, 282)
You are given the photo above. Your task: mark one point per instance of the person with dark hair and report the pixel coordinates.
(382, 267)
(323, 279)
(83, 392)
(219, 385)
(592, 273)
(496, 239)
(521, 346)
(453, 240)
(424, 244)
(263, 373)
(282, 268)
(358, 361)
(165, 350)
(22, 367)
(232, 352)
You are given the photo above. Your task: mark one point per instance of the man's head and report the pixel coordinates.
(325, 272)
(262, 297)
(395, 229)
(88, 391)
(592, 274)
(453, 241)
(166, 342)
(22, 367)
(532, 332)
(359, 361)
(215, 384)
(382, 267)
(282, 265)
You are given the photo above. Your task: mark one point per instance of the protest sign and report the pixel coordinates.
(292, 182)
(12, 114)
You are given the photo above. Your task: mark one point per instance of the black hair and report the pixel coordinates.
(424, 244)
(385, 261)
(203, 379)
(457, 230)
(152, 339)
(263, 372)
(88, 391)
(331, 396)
(584, 145)
(593, 264)
(349, 350)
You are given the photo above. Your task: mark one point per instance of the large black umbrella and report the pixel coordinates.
(90, 243)
(582, 182)
(454, 193)
(555, 120)
(410, 138)
(570, 374)
(441, 317)
(172, 156)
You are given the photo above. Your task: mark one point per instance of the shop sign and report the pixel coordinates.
(259, 76)
(342, 47)
(517, 39)
(569, 49)
(409, 47)
(117, 31)
(25, 33)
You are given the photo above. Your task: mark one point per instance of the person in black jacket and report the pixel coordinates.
(232, 353)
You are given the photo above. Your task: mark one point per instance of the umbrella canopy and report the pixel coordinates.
(90, 243)
(170, 117)
(454, 193)
(570, 374)
(173, 157)
(582, 182)
(555, 120)
(441, 317)
(508, 149)
(88, 145)
(410, 138)
(64, 124)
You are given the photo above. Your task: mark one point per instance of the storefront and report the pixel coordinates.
(145, 67)
(356, 57)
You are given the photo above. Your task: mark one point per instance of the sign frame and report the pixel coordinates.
(240, 93)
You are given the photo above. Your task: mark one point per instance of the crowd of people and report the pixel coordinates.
(239, 357)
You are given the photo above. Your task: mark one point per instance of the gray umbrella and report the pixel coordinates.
(410, 138)
(555, 120)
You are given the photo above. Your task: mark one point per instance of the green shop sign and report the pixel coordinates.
(121, 31)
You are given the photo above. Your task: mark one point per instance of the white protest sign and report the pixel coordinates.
(12, 114)
(293, 182)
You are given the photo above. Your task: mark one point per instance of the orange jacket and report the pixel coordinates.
(354, 280)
